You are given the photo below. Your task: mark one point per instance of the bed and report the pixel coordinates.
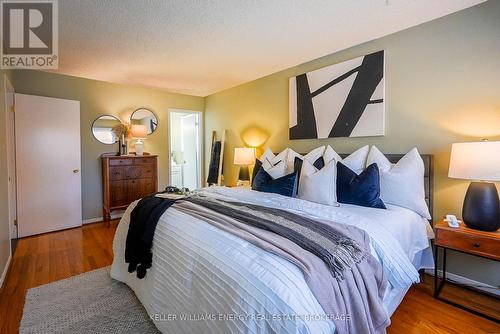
(206, 280)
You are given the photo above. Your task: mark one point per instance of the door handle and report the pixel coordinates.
(76, 171)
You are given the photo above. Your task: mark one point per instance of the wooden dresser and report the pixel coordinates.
(126, 179)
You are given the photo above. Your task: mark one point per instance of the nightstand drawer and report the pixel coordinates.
(468, 243)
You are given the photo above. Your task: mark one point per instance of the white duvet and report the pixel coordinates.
(204, 280)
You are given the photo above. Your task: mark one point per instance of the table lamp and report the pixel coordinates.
(139, 132)
(480, 162)
(244, 156)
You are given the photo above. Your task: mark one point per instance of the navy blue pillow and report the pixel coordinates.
(256, 168)
(285, 185)
(362, 189)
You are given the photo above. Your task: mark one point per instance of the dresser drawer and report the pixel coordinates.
(117, 173)
(475, 244)
(147, 187)
(118, 194)
(139, 188)
(140, 172)
(120, 162)
(144, 161)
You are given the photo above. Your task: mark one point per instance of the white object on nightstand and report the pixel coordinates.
(452, 221)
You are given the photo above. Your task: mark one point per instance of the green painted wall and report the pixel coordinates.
(98, 98)
(442, 86)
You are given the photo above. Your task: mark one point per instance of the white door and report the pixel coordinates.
(189, 144)
(47, 164)
(11, 155)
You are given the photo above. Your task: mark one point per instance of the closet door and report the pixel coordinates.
(47, 164)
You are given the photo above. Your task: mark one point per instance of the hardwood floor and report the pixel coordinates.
(420, 313)
(53, 256)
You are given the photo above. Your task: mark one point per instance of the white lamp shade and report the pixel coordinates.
(244, 156)
(139, 131)
(475, 161)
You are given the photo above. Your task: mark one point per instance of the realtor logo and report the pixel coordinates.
(29, 34)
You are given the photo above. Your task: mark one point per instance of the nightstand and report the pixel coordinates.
(464, 240)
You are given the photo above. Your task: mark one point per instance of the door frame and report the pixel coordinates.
(10, 128)
(201, 131)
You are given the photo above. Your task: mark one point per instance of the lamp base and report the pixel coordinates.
(243, 175)
(481, 210)
(139, 148)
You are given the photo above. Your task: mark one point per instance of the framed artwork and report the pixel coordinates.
(341, 100)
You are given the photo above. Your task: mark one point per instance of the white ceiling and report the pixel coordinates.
(202, 47)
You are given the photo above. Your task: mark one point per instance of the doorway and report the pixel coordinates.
(185, 148)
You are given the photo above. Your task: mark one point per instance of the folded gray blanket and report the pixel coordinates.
(342, 274)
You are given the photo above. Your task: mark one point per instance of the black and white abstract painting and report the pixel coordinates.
(341, 100)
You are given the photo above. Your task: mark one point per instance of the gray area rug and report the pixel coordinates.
(92, 302)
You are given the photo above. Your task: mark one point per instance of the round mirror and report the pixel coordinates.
(102, 129)
(145, 117)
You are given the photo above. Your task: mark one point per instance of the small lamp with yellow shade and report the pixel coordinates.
(139, 132)
(244, 156)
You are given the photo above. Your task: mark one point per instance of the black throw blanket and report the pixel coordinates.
(141, 231)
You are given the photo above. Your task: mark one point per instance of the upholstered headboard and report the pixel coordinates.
(428, 175)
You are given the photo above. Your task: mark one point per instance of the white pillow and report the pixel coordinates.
(287, 156)
(275, 171)
(330, 155)
(315, 154)
(318, 185)
(402, 183)
(290, 160)
(356, 161)
(267, 155)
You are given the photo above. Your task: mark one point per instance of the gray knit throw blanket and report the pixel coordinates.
(337, 251)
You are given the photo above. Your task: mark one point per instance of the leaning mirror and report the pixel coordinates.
(145, 117)
(102, 129)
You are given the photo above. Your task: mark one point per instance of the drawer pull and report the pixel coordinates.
(476, 245)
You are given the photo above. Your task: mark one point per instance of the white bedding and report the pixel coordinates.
(224, 284)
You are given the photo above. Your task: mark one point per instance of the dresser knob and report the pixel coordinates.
(476, 244)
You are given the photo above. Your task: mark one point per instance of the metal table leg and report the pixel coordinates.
(439, 283)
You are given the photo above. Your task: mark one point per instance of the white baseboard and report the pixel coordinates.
(100, 219)
(464, 280)
(5, 270)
